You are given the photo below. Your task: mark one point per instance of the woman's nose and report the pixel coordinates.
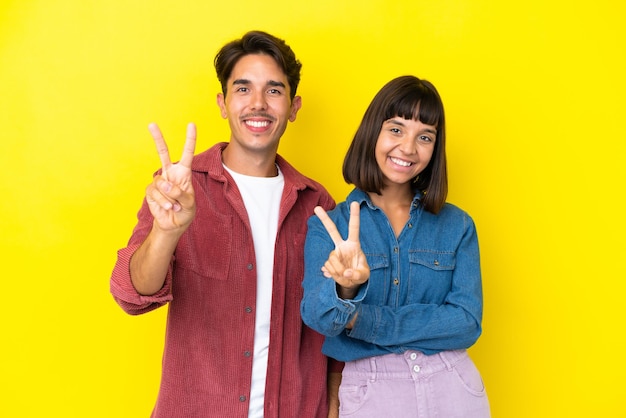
(407, 145)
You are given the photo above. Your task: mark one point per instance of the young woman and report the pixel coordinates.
(400, 299)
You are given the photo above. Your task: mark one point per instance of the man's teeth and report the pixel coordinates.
(401, 162)
(257, 124)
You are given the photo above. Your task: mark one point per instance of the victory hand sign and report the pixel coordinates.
(171, 196)
(346, 264)
(172, 202)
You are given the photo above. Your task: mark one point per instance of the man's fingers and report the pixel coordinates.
(154, 194)
(328, 223)
(190, 146)
(161, 146)
(355, 222)
(168, 196)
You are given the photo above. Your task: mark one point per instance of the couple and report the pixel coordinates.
(389, 287)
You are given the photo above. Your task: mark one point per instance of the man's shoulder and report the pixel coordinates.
(294, 176)
(209, 159)
(309, 191)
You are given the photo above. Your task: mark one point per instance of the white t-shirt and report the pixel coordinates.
(261, 196)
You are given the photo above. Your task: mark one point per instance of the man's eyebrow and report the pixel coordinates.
(275, 83)
(272, 83)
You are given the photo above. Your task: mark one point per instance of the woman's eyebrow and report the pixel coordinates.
(400, 123)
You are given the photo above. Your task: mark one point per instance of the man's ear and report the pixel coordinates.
(222, 105)
(296, 104)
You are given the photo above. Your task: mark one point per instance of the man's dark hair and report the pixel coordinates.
(257, 42)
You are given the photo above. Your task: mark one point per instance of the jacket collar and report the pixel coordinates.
(210, 162)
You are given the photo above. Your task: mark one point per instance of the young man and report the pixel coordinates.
(220, 238)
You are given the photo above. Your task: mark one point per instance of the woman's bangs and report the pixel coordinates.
(429, 110)
(422, 106)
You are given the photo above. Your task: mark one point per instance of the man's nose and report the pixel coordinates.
(258, 101)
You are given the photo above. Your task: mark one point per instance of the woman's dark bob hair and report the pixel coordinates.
(410, 98)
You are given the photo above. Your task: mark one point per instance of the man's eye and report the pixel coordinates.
(242, 89)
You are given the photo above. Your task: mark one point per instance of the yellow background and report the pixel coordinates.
(534, 97)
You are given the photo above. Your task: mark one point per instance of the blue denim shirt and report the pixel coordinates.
(424, 292)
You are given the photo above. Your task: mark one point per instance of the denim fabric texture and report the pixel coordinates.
(424, 292)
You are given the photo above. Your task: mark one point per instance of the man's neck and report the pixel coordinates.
(250, 164)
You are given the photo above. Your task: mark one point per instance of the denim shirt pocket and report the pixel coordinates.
(379, 278)
(430, 275)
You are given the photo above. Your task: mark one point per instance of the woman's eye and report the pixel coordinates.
(426, 138)
(395, 130)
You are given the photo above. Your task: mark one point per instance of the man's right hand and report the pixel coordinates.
(172, 203)
(170, 196)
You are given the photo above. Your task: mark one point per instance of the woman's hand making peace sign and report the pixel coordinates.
(346, 264)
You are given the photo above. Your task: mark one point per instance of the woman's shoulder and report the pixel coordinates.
(452, 211)
(343, 208)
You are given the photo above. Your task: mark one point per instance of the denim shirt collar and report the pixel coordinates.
(358, 195)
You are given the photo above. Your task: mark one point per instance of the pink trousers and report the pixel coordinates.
(444, 385)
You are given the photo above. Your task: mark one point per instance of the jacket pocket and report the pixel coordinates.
(206, 249)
